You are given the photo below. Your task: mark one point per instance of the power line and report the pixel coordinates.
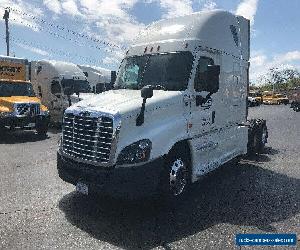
(57, 35)
(70, 31)
(62, 53)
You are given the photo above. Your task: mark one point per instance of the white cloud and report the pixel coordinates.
(209, 5)
(260, 63)
(33, 49)
(247, 9)
(175, 8)
(288, 57)
(70, 7)
(96, 9)
(53, 5)
(112, 19)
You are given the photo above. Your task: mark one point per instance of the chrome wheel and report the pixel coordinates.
(178, 177)
(264, 136)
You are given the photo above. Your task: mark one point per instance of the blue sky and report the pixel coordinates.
(53, 29)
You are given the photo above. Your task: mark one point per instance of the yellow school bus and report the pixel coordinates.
(269, 97)
(19, 106)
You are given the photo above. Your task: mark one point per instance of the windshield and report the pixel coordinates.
(169, 70)
(16, 89)
(78, 86)
(252, 94)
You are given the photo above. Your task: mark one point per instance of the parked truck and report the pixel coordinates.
(99, 78)
(295, 99)
(254, 98)
(178, 111)
(58, 84)
(19, 106)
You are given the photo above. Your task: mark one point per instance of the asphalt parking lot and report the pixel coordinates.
(259, 195)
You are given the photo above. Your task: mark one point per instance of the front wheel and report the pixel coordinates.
(176, 178)
(42, 127)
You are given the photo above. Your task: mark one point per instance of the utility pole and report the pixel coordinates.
(6, 17)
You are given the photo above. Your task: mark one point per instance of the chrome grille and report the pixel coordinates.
(28, 109)
(87, 138)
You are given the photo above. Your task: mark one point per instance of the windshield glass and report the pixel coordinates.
(252, 94)
(16, 89)
(169, 70)
(78, 86)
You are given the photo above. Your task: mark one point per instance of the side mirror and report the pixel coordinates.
(147, 92)
(68, 91)
(213, 73)
(40, 92)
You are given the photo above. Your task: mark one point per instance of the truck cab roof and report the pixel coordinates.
(215, 30)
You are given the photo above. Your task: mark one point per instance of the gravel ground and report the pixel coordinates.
(259, 195)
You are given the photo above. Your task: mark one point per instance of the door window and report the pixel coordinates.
(201, 82)
(55, 88)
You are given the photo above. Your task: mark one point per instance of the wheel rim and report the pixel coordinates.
(178, 177)
(264, 136)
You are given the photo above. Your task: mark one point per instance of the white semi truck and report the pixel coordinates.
(58, 84)
(178, 111)
(98, 78)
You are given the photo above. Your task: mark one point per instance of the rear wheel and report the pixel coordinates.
(296, 107)
(257, 136)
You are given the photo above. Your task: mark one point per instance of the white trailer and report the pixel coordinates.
(178, 112)
(52, 80)
(98, 78)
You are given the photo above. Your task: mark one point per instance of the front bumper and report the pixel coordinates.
(15, 121)
(125, 182)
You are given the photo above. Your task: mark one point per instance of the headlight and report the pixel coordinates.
(135, 153)
(45, 113)
(5, 114)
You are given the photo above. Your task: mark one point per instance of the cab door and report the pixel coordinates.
(203, 103)
(205, 115)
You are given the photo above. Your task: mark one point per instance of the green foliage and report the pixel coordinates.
(281, 80)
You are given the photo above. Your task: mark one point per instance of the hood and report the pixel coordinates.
(8, 102)
(125, 102)
(20, 99)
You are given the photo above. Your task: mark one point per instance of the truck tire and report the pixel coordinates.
(257, 136)
(42, 128)
(176, 177)
(2, 127)
(296, 107)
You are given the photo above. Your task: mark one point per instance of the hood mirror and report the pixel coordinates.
(146, 92)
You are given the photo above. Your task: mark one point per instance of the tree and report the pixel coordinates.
(280, 79)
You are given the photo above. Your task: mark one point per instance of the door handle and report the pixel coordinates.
(213, 116)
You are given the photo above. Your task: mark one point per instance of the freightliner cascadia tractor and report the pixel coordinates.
(178, 110)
